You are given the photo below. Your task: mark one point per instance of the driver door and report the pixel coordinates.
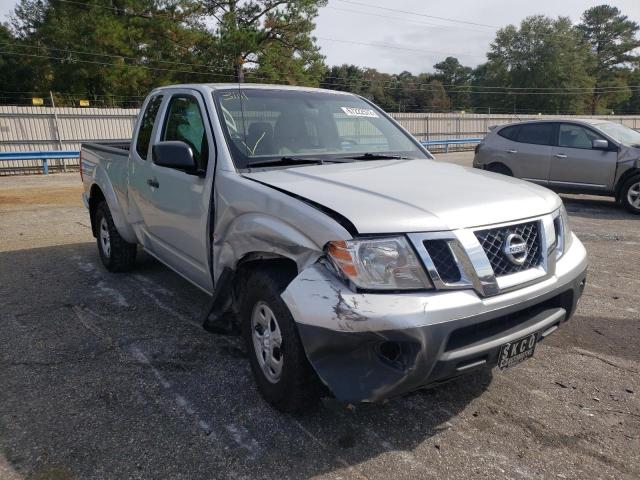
(175, 212)
(576, 165)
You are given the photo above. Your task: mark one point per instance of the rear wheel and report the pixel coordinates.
(630, 195)
(500, 168)
(116, 253)
(278, 361)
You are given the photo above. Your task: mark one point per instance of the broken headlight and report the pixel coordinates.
(563, 231)
(378, 263)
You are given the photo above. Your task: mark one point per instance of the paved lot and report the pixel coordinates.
(111, 376)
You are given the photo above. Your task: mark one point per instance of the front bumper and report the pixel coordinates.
(367, 347)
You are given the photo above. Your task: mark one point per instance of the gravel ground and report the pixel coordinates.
(111, 376)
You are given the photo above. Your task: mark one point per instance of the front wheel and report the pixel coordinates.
(630, 195)
(278, 361)
(116, 253)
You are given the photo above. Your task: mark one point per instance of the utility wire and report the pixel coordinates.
(453, 20)
(406, 20)
(96, 54)
(393, 84)
(397, 47)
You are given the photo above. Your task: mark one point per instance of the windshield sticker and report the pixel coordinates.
(234, 95)
(360, 112)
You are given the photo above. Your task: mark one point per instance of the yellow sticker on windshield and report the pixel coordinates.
(360, 112)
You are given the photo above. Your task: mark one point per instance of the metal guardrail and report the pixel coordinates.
(40, 155)
(453, 141)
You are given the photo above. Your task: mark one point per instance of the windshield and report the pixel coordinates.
(621, 133)
(277, 124)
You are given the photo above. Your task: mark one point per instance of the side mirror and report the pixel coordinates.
(600, 145)
(175, 154)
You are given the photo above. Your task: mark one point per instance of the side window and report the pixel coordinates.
(184, 123)
(509, 133)
(146, 126)
(536, 133)
(575, 136)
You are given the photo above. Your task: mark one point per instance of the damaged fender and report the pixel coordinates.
(261, 221)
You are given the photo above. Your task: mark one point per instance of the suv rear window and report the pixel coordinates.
(536, 133)
(509, 133)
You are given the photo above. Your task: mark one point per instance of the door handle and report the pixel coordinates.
(560, 155)
(512, 151)
(152, 182)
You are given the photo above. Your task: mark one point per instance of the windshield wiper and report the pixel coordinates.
(285, 159)
(292, 160)
(377, 156)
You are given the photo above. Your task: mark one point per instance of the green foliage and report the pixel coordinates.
(611, 37)
(543, 53)
(404, 92)
(113, 52)
(456, 79)
(272, 35)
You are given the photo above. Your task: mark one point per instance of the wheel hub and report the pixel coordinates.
(105, 237)
(267, 341)
(633, 195)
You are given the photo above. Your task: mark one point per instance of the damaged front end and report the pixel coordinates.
(369, 346)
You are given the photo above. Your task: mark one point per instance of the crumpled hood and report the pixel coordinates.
(393, 196)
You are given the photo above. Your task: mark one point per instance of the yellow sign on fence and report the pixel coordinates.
(84, 103)
(37, 101)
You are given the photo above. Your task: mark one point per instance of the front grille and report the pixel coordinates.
(443, 260)
(492, 241)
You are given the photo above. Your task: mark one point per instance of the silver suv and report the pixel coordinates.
(594, 157)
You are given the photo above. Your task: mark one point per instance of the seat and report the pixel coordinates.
(291, 133)
(568, 138)
(260, 138)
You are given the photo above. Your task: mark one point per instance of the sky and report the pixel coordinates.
(415, 41)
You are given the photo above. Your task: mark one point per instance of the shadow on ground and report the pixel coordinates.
(110, 376)
(587, 206)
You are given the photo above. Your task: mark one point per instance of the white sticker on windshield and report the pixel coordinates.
(360, 112)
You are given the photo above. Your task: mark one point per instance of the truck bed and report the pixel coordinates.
(117, 147)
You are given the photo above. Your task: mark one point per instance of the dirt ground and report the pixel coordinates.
(111, 376)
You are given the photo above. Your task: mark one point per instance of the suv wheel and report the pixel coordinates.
(116, 253)
(630, 195)
(278, 361)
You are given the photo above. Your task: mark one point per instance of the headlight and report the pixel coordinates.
(378, 263)
(563, 232)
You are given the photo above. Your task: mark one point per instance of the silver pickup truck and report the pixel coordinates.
(352, 262)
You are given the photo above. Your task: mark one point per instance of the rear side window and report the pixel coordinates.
(146, 127)
(509, 133)
(184, 123)
(536, 133)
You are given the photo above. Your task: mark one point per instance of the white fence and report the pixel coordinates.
(44, 129)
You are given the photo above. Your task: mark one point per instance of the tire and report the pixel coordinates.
(290, 384)
(500, 168)
(630, 195)
(117, 254)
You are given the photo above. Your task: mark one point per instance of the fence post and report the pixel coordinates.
(428, 128)
(45, 166)
(57, 130)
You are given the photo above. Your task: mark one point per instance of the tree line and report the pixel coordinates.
(112, 52)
